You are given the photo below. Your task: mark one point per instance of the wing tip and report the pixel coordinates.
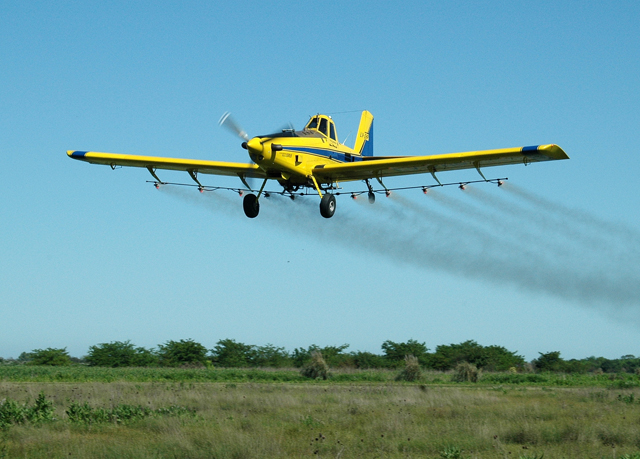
(75, 154)
(554, 151)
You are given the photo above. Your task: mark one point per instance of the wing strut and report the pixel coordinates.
(152, 171)
(386, 190)
(433, 173)
(244, 181)
(194, 175)
(477, 164)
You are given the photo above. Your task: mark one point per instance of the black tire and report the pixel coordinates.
(251, 206)
(372, 198)
(328, 205)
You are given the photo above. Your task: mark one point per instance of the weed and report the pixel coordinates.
(316, 368)
(85, 414)
(466, 372)
(11, 412)
(628, 399)
(451, 452)
(411, 371)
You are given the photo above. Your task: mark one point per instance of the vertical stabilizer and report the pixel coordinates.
(364, 141)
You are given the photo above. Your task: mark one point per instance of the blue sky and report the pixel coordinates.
(91, 255)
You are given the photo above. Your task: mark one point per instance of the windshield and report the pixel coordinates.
(313, 124)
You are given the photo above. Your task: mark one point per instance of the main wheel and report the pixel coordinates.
(372, 197)
(251, 206)
(328, 205)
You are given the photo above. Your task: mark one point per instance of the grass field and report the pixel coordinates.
(188, 419)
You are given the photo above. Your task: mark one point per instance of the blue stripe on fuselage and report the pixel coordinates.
(342, 157)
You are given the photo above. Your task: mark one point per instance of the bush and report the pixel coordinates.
(395, 353)
(333, 355)
(228, 353)
(120, 354)
(11, 412)
(551, 361)
(466, 372)
(492, 358)
(366, 360)
(49, 356)
(183, 352)
(120, 414)
(411, 371)
(316, 368)
(270, 356)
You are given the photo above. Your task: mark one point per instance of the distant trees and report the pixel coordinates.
(120, 354)
(395, 353)
(231, 353)
(183, 352)
(550, 361)
(490, 358)
(49, 356)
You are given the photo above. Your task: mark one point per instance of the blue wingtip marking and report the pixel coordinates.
(78, 154)
(532, 148)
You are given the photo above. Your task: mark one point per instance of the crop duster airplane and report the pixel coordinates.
(313, 159)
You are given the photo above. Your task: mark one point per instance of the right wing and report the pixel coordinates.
(372, 167)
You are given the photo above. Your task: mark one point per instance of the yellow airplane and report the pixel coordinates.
(314, 159)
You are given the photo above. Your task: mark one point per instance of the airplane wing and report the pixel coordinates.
(404, 165)
(156, 162)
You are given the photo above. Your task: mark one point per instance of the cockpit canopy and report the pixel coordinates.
(324, 125)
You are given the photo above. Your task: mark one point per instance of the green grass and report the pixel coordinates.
(346, 420)
(80, 373)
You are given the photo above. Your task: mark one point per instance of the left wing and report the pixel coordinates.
(156, 162)
(372, 167)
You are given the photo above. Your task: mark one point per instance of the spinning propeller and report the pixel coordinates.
(229, 123)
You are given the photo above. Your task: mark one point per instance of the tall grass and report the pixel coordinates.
(79, 373)
(251, 420)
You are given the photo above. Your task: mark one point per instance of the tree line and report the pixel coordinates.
(229, 353)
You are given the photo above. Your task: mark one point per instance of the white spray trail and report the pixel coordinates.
(510, 237)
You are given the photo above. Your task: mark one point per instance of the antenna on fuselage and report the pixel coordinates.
(345, 139)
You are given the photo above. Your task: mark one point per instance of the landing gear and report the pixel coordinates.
(328, 205)
(371, 195)
(251, 205)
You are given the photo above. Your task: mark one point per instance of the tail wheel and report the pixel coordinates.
(328, 205)
(251, 206)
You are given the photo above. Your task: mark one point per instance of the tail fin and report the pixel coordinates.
(364, 141)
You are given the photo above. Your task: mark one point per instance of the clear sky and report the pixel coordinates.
(90, 255)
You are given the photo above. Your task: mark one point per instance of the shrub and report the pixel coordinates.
(228, 353)
(176, 353)
(120, 354)
(333, 355)
(492, 358)
(11, 412)
(365, 360)
(270, 356)
(395, 353)
(466, 372)
(316, 368)
(451, 452)
(49, 356)
(120, 414)
(411, 370)
(551, 361)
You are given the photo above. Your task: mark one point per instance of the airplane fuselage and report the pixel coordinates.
(291, 159)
